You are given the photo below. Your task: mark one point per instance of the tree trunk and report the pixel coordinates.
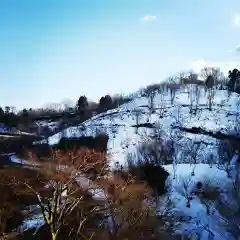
(54, 236)
(228, 173)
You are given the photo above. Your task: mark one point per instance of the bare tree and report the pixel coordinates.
(175, 154)
(211, 71)
(159, 151)
(197, 95)
(182, 78)
(173, 147)
(172, 93)
(225, 154)
(175, 167)
(137, 113)
(193, 153)
(146, 92)
(172, 86)
(183, 188)
(179, 116)
(210, 96)
(65, 187)
(211, 76)
(162, 90)
(82, 195)
(192, 77)
(162, 109)
(124, 212)
(191, 96)
(211, 159)
(150, 151)
(228, 207)
(158, 132)
(203, 226)
(151, 99)
(223, 80)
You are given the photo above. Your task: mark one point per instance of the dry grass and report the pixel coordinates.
(125, 203)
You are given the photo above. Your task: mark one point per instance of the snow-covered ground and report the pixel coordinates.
(194, 220)
(118, 124)
(6, 130)
(51, 124)
(17, 160)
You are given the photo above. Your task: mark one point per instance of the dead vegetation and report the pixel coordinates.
(80, 198)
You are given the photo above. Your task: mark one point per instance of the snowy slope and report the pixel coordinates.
(194, 221)
(118, 124)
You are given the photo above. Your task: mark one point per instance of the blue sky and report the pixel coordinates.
(58, 49)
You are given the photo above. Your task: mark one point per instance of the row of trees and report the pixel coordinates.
(83, 110)
(105, 103)
(210, 79)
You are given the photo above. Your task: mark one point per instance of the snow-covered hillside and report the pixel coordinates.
(168, 114)
(118, 123)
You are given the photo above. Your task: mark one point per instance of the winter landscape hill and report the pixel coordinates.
(130, 124)
(189, 130)
(196, 126)
(120, 120)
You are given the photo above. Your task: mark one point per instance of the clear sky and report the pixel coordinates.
(51, 50)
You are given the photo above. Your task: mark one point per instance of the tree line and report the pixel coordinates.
(83, 110)
(212, 78)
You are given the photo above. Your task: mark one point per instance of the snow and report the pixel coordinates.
(14, 159)
(6, 136)
(234, 159)
(35, 221)
(53, 125)
(195, 219)
(17, 160)
(124, 139)
(7, 154)
(117, 123)
(203, 171)
(6, 130)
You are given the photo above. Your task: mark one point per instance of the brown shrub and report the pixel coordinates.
(125, 210)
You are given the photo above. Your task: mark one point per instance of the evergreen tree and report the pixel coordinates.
(105, 103)
(234, 76)
(1, 114)
(82, 103)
